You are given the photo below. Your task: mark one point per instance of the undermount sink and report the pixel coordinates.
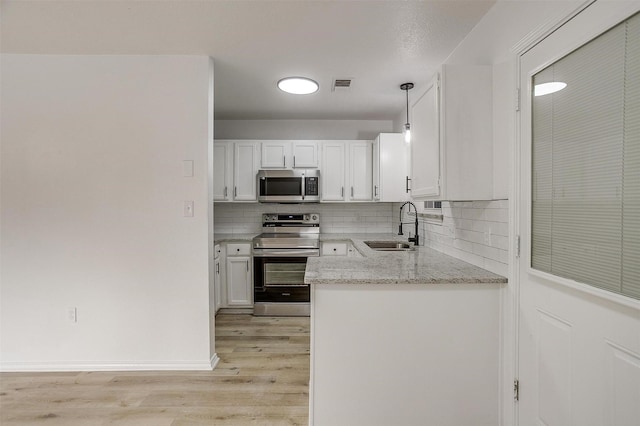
(389, 246)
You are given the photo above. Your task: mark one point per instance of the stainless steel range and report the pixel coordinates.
(279, 261)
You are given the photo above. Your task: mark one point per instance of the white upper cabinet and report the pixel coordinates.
(360, 171)
(332, 173)
(452, 146)
(235, 166)
(425, 143)
(347, 171)
(289, 154)
(390, 168)
(305, 154)
(245, 171)
(222, 171)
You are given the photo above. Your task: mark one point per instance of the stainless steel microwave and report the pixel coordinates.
(289, 186)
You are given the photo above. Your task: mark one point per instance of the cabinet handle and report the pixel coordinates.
(352, 192)
(342, 192)
(218, 268)
(284, 160)
(225, 192)
(406, 185)
(247, 266)
(294, 161)
(335, 249)
(375, 190)
(235, 191)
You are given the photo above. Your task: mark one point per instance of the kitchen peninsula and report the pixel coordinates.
(405, 338)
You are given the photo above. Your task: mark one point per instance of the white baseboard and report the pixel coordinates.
(215, 359)
(110, 366)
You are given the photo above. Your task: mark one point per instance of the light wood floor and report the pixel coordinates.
(262, 379)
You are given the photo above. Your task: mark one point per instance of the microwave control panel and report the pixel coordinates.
(311, 186)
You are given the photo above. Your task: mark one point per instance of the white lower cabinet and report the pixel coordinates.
(217, 279)
(339, 248)
(238, 276)
(334, 248)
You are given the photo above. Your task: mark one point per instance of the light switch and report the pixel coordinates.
(187, 168)
(188, 209)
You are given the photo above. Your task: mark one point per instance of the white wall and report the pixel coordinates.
(301, 129)
(92, 212)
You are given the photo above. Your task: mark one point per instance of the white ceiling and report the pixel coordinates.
(379, 44)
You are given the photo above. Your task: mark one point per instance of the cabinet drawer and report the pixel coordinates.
(239, 249)
(334, 249)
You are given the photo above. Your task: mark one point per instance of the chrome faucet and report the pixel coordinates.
(416, 239)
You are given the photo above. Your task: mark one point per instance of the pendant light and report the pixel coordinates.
(407, 127)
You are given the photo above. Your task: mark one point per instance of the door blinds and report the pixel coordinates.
(586, 164)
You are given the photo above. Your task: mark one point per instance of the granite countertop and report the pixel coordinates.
(422, 266)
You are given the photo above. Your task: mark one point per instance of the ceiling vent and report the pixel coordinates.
(341, 85)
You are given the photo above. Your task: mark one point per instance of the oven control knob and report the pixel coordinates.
(306, 217)
(314, 217)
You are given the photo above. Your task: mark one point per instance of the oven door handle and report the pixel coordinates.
(286, 252)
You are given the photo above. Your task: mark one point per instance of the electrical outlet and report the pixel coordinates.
(72, 314)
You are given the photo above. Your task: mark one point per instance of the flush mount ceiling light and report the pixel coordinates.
(548, 88)
(298, 85)
(407, 127)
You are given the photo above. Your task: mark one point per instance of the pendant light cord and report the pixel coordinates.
(407, 93)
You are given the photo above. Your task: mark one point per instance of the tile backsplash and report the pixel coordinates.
(246, 218)
(474, 231)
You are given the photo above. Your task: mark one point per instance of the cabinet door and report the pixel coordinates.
(239, 288)
(217, 282)
(222, 170)
(392, 160)
(332, 174)
(274, 155)
(360, 171)
(245, 171)
(425, 143)
(305, 154)
(376, 169)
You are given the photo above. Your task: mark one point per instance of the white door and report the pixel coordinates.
(244, 175)
(360, 171)
(578, 346)
(332, 172)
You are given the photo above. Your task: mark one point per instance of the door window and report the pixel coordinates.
(586, 163)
